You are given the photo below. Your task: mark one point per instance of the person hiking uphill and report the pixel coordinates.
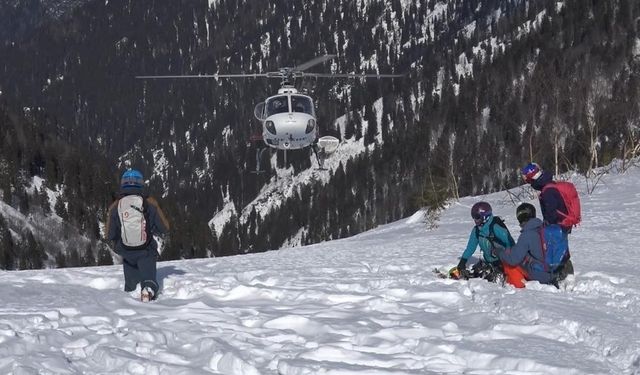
(489, 233)
(132, 220)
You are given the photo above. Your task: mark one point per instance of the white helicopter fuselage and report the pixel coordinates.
(291, 131)
(288, 120)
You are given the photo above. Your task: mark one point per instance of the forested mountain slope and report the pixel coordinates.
(490, 86)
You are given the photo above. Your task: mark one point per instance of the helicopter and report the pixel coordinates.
(288, 118)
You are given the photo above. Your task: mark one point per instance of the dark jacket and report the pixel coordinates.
(157, 221)
(550, 199)
(527, 252)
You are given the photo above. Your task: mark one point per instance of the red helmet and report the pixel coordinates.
(531, 172)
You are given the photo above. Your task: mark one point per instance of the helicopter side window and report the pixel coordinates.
(278, 104)
(301, 104)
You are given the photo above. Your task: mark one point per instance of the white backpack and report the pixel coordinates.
(133, 224)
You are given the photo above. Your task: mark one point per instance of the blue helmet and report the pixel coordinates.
(531, 172)
(132, 178)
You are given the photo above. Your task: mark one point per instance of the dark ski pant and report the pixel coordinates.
(139, 266)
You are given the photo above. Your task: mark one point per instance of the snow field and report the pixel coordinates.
(368, 304)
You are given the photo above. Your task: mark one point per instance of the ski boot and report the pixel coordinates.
(146, 294)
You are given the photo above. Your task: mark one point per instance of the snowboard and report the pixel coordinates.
(444, 274)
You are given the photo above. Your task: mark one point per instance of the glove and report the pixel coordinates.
(462, 264)
(460, 271)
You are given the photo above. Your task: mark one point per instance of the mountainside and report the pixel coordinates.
(53, 194)
(490, 86)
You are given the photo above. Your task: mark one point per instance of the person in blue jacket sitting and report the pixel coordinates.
(489, 236)
(526, 256)
(526, 259)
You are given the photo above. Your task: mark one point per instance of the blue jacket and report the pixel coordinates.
(550, 199)
(488, 249)
(527, 252)
(157, 221)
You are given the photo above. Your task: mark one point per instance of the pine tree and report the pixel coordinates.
(61, 260)
(43, 199)
(7, 249)
(33, 255)
(88, 259)
(370, 117)
(60, 208)
(24, 202)
(104, 255)
(73, 258)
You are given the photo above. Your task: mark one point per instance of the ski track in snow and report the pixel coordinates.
(369, 304)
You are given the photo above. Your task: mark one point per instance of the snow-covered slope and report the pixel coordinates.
(286, 184)
(363, 305)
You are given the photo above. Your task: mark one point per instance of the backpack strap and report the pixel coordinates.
(492, 238)
(492, 234)
(145, 212)
(543, 246)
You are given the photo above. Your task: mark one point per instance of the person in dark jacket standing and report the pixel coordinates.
(132, 221)
(526, 256)
(550, 199)
(551, 203)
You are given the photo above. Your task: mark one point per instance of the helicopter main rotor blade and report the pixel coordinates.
(352, 75)
(310, 63)
(241, 75)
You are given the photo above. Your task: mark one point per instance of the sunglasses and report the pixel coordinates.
(479, 216)
(479, 219)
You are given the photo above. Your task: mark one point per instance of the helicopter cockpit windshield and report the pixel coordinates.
(280, 104)
(301, 104)
(277, 104)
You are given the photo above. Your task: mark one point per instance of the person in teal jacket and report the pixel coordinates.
(491, 237)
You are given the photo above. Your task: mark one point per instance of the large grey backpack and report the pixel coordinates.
(134, 226)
